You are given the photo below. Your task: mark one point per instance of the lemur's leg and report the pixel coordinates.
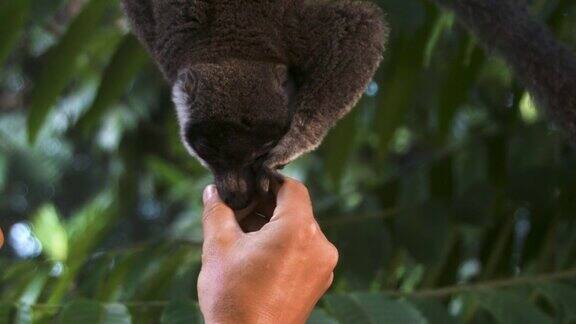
(178, 24)
(544, 65)
(336, 48)
(141, 18)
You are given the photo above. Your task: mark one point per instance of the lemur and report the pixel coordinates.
(257, 83)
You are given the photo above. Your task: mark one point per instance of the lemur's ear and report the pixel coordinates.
(184, 90)
(188, 79)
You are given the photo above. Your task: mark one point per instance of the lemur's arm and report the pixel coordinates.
(334, 49)
(167, 28)
(543, 64)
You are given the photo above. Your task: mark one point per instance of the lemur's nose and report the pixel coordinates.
(237, 201)
(236, 188)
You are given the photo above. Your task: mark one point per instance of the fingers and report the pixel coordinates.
(293, 202)
(218, 220)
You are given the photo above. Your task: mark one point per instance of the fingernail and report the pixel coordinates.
(209, 193)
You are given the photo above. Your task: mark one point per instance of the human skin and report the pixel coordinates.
(274, 275)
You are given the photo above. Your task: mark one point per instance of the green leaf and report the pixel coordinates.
(508, 307)
(459, 79)
(15, 279)
(182, 312)
(360, 308)
(85, 226)
(5, 313)
(159, 280)
(23, 314)
(433, 311)
(444, 22)
(124, 65)
(51, 233)
(85, 229)
(13, 15)
(59, 66)
(3, 171)
(42, 10)
(167, 173)
(393, 107)
(116, 314)
(86, 311)
(111, 287)
(34, 288)
(401, 85)
(319, 316)
(563, 297)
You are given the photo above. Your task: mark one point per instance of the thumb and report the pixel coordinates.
(218, 220)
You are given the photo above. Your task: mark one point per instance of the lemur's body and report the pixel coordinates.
(231, 63)
(543, 64)
(197, 31)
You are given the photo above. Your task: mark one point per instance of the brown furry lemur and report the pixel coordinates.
(257, 83)
(546, 67)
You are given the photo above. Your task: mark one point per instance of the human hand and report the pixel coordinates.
(274, 275)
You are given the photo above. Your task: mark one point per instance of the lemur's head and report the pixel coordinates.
(231, 115)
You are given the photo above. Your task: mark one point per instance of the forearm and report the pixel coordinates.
(336, 48)
(339, 67)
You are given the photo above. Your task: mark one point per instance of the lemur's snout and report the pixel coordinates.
(237, 187)
(240, 188)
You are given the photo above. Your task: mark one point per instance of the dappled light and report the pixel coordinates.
(449, 190)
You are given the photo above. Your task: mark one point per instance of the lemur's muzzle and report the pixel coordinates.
(240, 188)
(237, 187)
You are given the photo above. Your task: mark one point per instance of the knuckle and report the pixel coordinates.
(312, 229)
(222, 239)
(303, 192)
(213, 210)
(330, 280)
(219, 241)
(303, 231)
(331, 256)
(298, 187)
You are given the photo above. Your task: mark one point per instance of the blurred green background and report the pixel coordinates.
(450, 198)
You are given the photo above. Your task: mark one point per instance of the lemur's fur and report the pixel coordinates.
(545, 66)
(257, 83)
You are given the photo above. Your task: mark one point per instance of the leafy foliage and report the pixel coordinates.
(450, 198)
